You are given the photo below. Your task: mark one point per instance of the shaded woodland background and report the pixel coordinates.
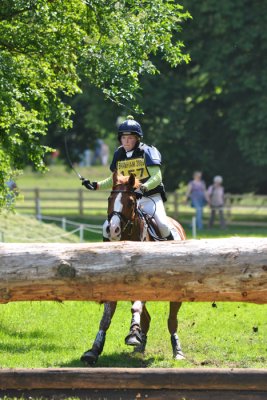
(210, 114)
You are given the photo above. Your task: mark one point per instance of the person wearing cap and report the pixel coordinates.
(215, 195)
(134, 156)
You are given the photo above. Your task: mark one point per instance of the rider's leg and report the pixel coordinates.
(134, 336)
(91, 355)
(154, 206)
(173, 326)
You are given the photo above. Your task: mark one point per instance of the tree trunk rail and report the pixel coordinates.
(232, 269)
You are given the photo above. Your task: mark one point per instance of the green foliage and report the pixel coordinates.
(47, 46)
(211, 115)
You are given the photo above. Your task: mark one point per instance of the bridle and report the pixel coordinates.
(125, 222)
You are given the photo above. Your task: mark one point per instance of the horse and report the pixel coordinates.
(126, 222)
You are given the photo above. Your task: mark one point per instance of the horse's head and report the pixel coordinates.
(122, 205)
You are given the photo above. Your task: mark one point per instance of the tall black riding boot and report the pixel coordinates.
(170, 237)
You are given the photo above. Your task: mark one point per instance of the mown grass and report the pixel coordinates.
(49, 334)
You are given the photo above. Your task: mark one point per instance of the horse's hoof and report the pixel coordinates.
(133, 338)
(89, 357)
(179, 356)
(140, 348)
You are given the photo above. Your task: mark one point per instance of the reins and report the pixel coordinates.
(138, 215)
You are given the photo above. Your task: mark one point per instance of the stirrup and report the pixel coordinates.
(134, 337)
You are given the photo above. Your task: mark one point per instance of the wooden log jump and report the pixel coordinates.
(232, 269)
(132, 383)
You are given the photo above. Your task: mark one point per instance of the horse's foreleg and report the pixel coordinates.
(134, 337)
(145, 323)
(173, 326)
(91, 355)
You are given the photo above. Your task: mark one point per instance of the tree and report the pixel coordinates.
(211, 114)
(46, 47)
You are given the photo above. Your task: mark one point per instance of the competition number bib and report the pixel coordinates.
(136, 166)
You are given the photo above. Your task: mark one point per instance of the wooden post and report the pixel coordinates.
(176, 205)
(37, 204)
(80, 201)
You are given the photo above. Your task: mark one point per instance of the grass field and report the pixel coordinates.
(50, 334)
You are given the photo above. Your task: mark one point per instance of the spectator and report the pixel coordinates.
(196, 193)
(13, 191)
(215, 195)
(104, 153)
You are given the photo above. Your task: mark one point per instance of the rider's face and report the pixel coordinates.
(128, 142)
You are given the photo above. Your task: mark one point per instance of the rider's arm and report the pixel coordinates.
(105, 183)
(155, 177)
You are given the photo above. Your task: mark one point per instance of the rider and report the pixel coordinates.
(144, 161)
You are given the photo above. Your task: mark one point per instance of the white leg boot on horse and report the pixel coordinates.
(172, 327)
(145, 324)
(90, 356)
(134, 337)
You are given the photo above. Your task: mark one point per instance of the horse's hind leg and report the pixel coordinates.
(91, 355)
(173, 326)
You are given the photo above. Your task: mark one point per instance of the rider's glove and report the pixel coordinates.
(89, 185)
(140, 191)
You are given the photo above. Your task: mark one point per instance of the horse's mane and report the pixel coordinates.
(123, 180)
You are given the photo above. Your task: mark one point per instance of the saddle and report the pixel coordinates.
(152, 226)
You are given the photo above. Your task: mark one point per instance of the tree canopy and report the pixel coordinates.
(210, 114)
(48, 46)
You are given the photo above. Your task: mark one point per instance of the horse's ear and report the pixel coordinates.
(131, 180)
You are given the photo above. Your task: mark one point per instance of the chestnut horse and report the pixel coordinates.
(127, 222)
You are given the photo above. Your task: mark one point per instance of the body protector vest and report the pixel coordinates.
(143, 156)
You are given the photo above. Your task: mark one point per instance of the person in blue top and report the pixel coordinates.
(196, 192)
(134, 156)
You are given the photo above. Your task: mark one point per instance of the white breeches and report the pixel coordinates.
(154, 206)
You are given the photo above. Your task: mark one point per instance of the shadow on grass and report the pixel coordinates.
(36, 334)
(122, 360)
(24, 348)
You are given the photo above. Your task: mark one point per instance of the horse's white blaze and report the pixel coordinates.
(115, 223)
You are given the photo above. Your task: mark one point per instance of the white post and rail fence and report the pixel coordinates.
(82, 202)
(210, 270)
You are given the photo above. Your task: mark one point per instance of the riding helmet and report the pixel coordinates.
(130, 126)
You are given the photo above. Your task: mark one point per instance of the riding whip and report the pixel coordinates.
(69, 160)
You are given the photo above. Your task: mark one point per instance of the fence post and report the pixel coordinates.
(81, 201)
(228, 205)
(194, 228)
(176, 205)
(37, 204)
(63, 223)
(81, 233)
